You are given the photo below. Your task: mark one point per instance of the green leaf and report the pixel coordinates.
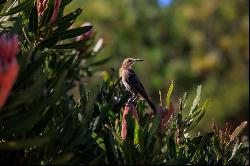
(204, 141)
(24, 143)
(99, 140)
(196, 101)
(156, 150)
(154, 128)
(172, 147)
(33, 21)
(29, 94)
(72, 45)
(20, 7)
(200, 116)
(83, 96)
(29, 71)
(136, 133)
(61, 159)
(48, 43)
(216, 147)
(17, 27)
(99, 119)
(71, 33)
(196, 121)
(27, 11)
(65, 22)
(130, 126)
(141, 142)
(46, 117)
(82, 138)
(63, 27)
(2, 5)
(110, 147)
(28, 120)
(59, 85)
(183, 102)
(170, 90)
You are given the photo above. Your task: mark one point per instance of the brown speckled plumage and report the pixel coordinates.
(132, 82)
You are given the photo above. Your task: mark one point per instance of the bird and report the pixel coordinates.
(132, 83)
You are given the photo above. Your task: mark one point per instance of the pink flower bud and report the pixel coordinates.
(86, 35)
(8, 65)
(55, 12)
(41, 6)
(129, 107)
(8, 49)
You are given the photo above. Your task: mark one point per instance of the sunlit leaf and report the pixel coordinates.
(196, 100)
(238, 130)
(99, 140)
(20, 7)
(170, 90)
(200, 114)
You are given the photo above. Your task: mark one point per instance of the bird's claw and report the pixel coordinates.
(132, 99)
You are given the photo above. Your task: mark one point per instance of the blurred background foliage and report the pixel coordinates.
(191, 42)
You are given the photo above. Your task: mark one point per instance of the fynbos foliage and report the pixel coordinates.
(42, 123)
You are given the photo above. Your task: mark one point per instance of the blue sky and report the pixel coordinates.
(164, 2)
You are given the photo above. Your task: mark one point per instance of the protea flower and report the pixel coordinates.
(8, 65)
(41, 6)
(55, 11)
(129, 107)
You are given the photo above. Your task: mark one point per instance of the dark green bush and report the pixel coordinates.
(42, 122)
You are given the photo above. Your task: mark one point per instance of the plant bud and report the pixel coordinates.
(41, 6)
(55, 11)
(86, 35)
(8, 65)
(129, 107)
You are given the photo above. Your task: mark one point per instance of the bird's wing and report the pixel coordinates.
(136, 84)
(121, 85)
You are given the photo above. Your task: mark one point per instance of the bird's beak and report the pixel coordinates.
(139, 60)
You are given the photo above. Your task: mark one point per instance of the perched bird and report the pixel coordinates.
(131, 81)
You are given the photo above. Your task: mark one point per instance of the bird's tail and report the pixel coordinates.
(151, 104)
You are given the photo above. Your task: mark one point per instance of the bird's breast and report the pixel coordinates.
(124, 74)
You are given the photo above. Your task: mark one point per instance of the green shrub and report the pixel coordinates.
(42, 122)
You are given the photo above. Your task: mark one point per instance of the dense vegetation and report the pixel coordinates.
(191, 42)
(49, 116)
